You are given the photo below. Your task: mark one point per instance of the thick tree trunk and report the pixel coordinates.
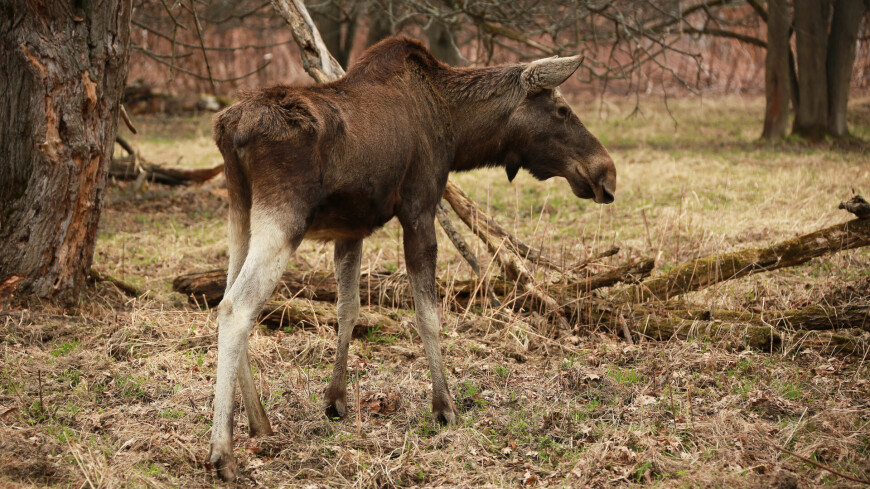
(64, 68)
(777, 85)
(841, 56)
(811, 29)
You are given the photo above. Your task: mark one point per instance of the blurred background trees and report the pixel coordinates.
(803, 52)
(66, 64)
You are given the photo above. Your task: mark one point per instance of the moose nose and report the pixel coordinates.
(606, 195)
(605, 185)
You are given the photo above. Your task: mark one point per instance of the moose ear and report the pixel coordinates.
(549, 72)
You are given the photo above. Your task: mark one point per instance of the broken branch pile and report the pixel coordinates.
(572, 299)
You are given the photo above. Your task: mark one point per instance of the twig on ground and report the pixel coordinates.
(816, 464)
(129, 290)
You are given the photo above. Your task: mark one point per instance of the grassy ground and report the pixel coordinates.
(116, 392)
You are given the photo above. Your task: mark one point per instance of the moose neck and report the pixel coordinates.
(481, 101)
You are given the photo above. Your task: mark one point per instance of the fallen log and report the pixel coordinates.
(739, 335)
(128, 289)
(735, 335)
(709, 270)
(630, 273)
(391, 290)
(282, 313)
(812, 318)
(386, 290)
(130, 169)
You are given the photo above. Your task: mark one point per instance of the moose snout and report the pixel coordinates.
(604, 187)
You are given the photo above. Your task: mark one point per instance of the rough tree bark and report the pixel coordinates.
(841, 55)
(777, 84)
(811, 30)
(64, 70)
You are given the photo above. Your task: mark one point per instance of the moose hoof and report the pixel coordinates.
(225, 465)
(336, 409)
(445, 415)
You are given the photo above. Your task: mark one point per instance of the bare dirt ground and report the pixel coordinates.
(116, 391)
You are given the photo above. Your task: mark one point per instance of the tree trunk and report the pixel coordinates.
(64, 69)
(841, 56)
(378, 25)
(441, 43)
(337, 32)
(811, 29)
(776, 75)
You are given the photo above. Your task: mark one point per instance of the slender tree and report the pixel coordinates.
(776, 71)
(64, 69)
(840, 59)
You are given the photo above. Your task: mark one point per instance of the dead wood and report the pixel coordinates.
(390, 290)
(812, 318)
(712, 269)
(489, 230)
(858, 206)
(630, 273)
(316, 58)
(740, 335)
(132, 167)
(127, 120)
(735, 335)
(128, 289)
(284, 312)
(464, 250)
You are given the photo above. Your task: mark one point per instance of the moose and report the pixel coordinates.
(335, 162)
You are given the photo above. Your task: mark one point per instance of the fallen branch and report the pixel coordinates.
(132, 167)
(812, 318)
(124, 287)
(488, 230)
(630, 273)
(464, 250)
(709, 270)
(816, 464)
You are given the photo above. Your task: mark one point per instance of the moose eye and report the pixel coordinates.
(563, 111)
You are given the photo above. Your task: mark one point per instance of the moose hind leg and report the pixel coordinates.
(421, 250)
(347, 263)
(258, 422)
(270, 249)
(239, 226)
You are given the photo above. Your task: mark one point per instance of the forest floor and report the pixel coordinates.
(117, 391)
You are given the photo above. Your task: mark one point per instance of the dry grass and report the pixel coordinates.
(116, 392)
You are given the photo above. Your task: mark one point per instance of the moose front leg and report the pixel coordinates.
(421, 252)
(347, 262)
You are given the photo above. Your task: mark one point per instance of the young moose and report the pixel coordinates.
(335, 162)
